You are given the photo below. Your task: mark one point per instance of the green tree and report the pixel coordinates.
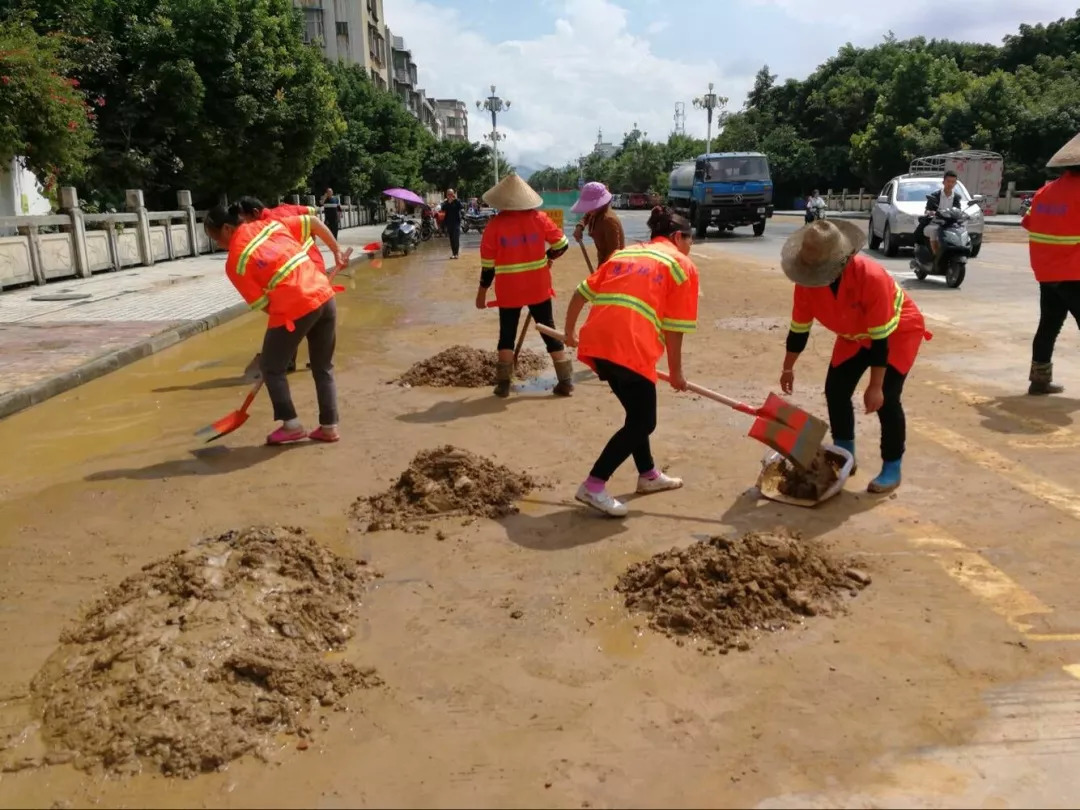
(44, 118)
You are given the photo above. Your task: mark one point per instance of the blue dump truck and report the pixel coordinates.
(725, 189)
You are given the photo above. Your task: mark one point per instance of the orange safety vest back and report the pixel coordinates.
(515, 245)
(269, 266)
(1053, 226)
(868, 305)
(638, 294)
(282, 212)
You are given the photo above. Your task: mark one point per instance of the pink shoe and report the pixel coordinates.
(284, 435)
(321, 434)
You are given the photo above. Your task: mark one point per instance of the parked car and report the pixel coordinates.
(618, 201)
(895, 214)
(637, 199)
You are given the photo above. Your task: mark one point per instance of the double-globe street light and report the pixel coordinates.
(494, 105)
(709, 102)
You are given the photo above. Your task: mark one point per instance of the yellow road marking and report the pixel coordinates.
(977, 575)
(1072, 669)
(1047, 491)
(1053, 636)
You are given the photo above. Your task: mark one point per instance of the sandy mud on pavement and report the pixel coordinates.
(466, 367)
(204, 656)
(807, 484)
(727, 591)
(445, 482)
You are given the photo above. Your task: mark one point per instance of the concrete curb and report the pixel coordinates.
(23, 398)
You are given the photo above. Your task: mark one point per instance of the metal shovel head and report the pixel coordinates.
(800, 444)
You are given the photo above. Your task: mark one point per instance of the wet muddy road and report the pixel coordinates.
(513, 675)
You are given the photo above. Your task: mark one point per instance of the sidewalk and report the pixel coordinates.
(1012, 220)
(63, 334)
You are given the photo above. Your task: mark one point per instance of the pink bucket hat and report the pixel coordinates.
(593, 196)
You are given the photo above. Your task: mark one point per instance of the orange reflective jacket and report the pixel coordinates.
(1053, 226)
(269, 266)
(868, 305)
(515, 245)
(282, 212)
(638, 294)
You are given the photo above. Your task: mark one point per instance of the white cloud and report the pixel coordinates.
(657, 26)
(587, 70)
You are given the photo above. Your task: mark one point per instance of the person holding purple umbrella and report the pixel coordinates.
(605, 228)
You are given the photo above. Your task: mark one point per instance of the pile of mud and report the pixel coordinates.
(204, 656)
(465, 367)
(726, 591)
(445, 482)
(811, 483)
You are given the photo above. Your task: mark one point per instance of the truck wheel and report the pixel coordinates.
(759, 228)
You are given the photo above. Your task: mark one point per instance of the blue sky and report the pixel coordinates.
(571, 66)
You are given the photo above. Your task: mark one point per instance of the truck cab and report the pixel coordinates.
(723, 189)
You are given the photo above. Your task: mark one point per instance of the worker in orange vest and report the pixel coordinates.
(1053, 226)
(516, 251)
(644, 299)
(268, 263)
(877, 326)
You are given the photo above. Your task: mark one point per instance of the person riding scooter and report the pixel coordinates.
(815, 207)
(947, 197)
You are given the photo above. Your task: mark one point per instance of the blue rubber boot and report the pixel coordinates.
(888, 479)
(849, 445)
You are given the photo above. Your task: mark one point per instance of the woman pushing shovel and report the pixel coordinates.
(644, 299)
(877, 328)
(270, 267)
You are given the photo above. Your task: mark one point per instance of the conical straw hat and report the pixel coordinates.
(815, 255)
(513, 194)
(1067, 156)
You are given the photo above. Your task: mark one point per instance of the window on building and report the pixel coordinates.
(373, 9)
(313, 25)
(342, 29)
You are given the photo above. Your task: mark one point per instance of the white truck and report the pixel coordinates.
(980, 172)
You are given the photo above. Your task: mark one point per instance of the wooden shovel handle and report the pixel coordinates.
(585, 253)
(697, 389)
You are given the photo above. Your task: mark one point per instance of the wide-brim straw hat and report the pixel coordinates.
(512, 194)
(1067, 156)
(815, 255)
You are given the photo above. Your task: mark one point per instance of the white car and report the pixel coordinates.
(895, 214)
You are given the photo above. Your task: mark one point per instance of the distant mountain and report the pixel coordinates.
(525, 172)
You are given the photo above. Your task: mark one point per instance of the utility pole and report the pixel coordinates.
(709, 102)
(494, 105)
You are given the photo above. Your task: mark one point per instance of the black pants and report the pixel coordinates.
(333, 222)
(454, 232)
(279, 346)
(1057, 300)
(638, 398)
(508, 325)
(840, 384)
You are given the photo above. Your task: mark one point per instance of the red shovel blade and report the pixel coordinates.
(227, 424)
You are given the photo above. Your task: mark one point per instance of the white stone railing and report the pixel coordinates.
(75, 244)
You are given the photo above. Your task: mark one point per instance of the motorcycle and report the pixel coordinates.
(427, 229)
(474, 222)
(1025, 205)
(954, 247)
(400, 235)
(814, 213)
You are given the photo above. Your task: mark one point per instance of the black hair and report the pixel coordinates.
(951, 173)
(250, 206)
(219, 216)
(665, 222)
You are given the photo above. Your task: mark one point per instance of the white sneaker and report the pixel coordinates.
(601, 502)
(659, 484)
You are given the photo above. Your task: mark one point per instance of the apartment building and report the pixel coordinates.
(454, 118)
(351, 31)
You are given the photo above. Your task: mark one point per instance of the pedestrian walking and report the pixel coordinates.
(877, 326)
(604, 226)
(331, 205)
(516, 251)
(644, 299)
(1053, 226)
(269, 266)
(451, 210)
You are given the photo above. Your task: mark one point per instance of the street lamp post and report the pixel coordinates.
(709, 102)
(494, 105)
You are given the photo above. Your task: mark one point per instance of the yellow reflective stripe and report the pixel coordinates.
(630, 302)
(564, 242)
(313, 211)
(523, 267)
(800, 328)
(305, 228)
(487, 264)
(862, 336)
(586, 291)
(287, 268)
(672, 264)
(672, 325)
(261, 303)
(1053, 239)
(254, 244)
(882, 332)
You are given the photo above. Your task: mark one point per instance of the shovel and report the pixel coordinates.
(251, 371)
(585, 253)
(788, 430)
(227, 424)
(521, 337)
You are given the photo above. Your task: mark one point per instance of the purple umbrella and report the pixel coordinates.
(404, 194)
